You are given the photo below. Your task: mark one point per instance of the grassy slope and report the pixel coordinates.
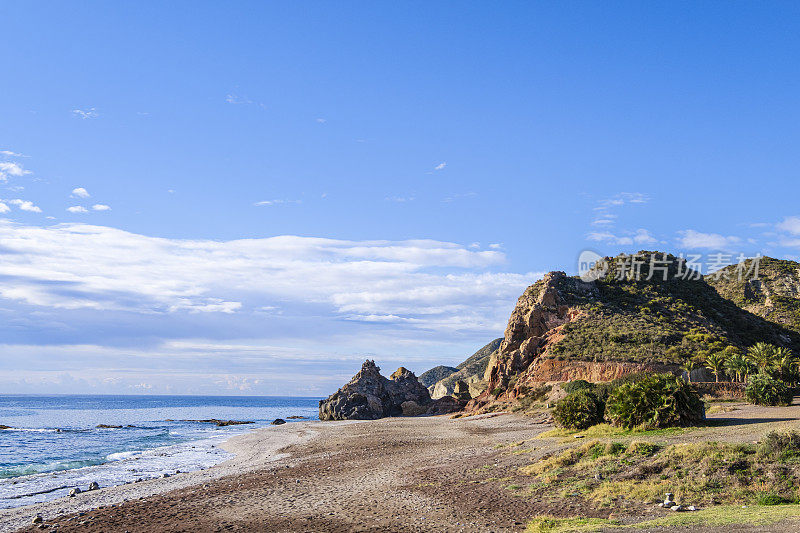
(662, 322)
(775, 295)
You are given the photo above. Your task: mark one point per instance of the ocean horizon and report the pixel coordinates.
(53, 442)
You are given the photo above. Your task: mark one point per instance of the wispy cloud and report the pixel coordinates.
(77, 209)
(321, 120)
(4, 208)
(232, 98)
(459, 196)
(694, 240)
(640, 236)
(446, 283)
(101, 207)
(9, 153)
(80, 192)
(440, 166)
(25, 205)
(790, 225)
(400, 199)
(85, 113)
(278, 201)
(11, 169)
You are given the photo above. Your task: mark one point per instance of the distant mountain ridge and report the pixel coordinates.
(471, 371)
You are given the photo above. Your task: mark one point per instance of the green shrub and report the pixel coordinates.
(770, 498)
(780, 445)
(576, 385)
(579, 410)
(763, 389)
(655, 401)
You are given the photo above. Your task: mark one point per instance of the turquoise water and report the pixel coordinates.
(55, 445)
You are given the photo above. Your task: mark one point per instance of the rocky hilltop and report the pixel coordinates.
(370, 396)
(774, 295)
(563, 328)
(470, 372)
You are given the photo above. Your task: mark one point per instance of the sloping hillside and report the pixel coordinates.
(564, 328)
(774, 295)
(437, 373)
(470, 371)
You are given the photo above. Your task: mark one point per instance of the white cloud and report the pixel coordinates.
(622, 199)
(236, 99)
(640, 236)
(25, 205)
(85, 113)
(8, 168)
(692, 239)
(400, 199)
(4, 208)
(459, 196)
(790, 225)
(322, 120)
(9, 153)
(440, 166)
(276, 202)
(77, 209)
(101, 207)
(80, 192)
(79, 266)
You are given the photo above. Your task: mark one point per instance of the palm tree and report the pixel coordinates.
(762, 354)
(688, 366)
(735, 366)
(716, 362)
(786, 362)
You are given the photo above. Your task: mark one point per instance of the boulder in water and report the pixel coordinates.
(278, 422)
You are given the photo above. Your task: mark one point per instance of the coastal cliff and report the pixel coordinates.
(563, 328)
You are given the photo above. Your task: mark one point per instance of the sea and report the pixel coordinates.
(54, 443)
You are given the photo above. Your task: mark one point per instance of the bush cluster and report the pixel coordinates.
(639, 400)
(763, 389)
(656, 401)
(579, 410)
(576, 385)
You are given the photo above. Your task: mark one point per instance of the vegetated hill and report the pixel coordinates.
(564, 328)
(430, 377)
(774, 294)
(470, 371)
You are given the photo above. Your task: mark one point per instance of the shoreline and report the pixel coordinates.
(254, 449)
(404, 474)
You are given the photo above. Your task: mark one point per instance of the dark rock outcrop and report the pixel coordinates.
(220, 423)
(369, 396)
(278, 422)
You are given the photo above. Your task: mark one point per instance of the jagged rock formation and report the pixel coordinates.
(470, 371)
(369, 396)
(563, 328)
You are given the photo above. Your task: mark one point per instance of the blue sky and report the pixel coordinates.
(251, 198)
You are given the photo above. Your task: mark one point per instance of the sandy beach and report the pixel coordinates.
(395, 474)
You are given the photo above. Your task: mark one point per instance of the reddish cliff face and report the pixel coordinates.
(535, 325)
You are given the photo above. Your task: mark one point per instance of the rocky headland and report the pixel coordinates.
(369, 396)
